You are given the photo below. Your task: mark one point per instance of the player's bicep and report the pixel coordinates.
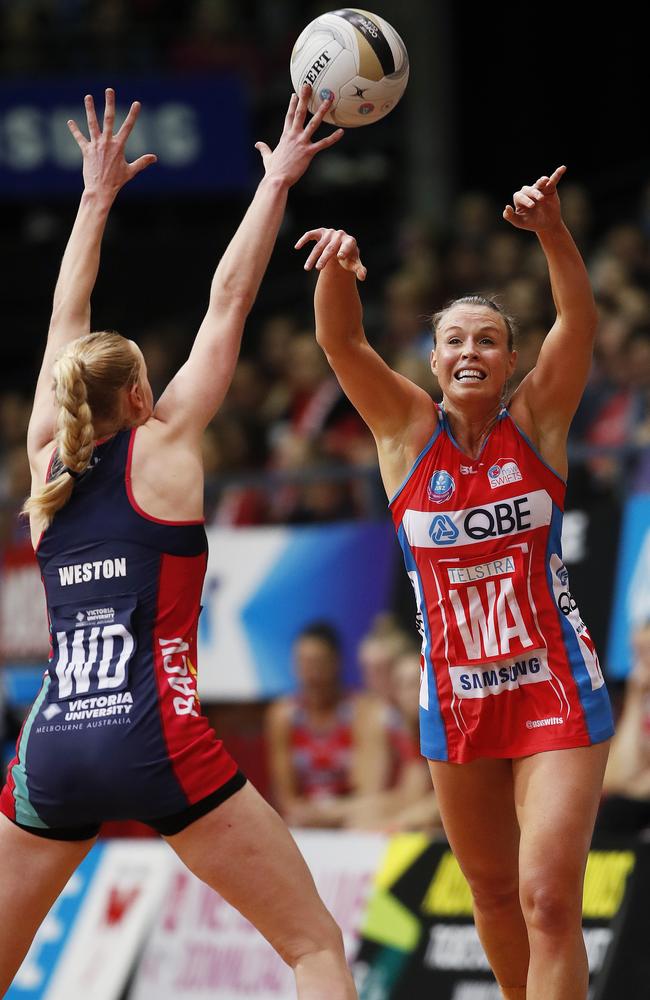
(553, 389)
(63, 329)
(386, 400)
(42, 421)
(196, 392)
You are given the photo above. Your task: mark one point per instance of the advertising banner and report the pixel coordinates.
(590, 537)
(133, 914)
(632, 594)
(197, 126)
(87, 944)
(263, 585)
(24, 630)
(202, 949)
(419, 939)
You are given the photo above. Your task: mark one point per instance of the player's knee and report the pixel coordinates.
(550, 906)
(320, 936)
(492, 894)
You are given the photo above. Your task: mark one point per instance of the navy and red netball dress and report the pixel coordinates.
(116, 731)
(508, 665)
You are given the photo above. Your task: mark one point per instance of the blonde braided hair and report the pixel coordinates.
(88, 374)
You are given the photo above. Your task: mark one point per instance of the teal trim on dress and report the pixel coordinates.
(25, 812)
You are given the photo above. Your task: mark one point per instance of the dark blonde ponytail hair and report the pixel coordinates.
(88, 374)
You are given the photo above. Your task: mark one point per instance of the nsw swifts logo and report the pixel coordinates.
(441, 486)
(503, 472)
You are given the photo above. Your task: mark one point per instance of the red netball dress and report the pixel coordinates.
(508, 665)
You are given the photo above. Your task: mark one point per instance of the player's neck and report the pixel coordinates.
(471, 425)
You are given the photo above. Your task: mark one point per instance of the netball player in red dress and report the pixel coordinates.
(514, 716)
(125, 500)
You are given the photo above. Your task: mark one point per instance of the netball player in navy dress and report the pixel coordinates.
(116, 520)
(514, 715)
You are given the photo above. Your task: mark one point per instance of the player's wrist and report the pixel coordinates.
(555, 231)
(98, 198)
(277, 180)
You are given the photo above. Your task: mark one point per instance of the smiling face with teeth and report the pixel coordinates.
(472, 358)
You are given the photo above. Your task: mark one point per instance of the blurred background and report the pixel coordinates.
(292, 487)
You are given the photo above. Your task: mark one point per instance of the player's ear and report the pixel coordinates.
(434, 361)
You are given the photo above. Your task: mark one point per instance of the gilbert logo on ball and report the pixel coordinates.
(358, 58)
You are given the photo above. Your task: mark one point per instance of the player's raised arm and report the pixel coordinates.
(552, 391)
(389, 403)
(196, 392)
(105, 171)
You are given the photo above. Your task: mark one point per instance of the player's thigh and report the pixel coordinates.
(557, 794)
(476, 802)
(244, 851)
(33, 872)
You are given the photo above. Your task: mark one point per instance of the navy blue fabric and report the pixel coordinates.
(101, 754)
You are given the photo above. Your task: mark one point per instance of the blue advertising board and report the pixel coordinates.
(263, 585)
(197, 126)
(632, 591)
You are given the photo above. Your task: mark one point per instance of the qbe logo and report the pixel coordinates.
(443, 531)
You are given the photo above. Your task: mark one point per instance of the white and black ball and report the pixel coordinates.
(358, 58)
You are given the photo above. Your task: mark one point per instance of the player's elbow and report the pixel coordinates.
(337, 340)
(232, 307)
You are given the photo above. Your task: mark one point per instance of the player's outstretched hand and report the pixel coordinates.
(537, 207)
(295, 150)
(332, 243)
(105, 168)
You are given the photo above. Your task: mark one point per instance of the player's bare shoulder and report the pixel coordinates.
(166, 472)
(398, 453)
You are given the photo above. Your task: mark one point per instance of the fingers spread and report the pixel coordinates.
(348, 257)
(326, 235)
(349, 247)
(301, 107)
(318, 116)
(332, 247)
(291, 111)
(142, 163)
(312, 234)
(91, 117)
(109, 111)
(78, 134)
(127, 125)
(328, 141)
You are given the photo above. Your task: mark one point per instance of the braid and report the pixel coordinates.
(74, 427)
(89, 374)
(74, 438)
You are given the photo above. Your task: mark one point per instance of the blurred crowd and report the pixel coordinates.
(142, 36)
(351, 759)
(286, 418)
